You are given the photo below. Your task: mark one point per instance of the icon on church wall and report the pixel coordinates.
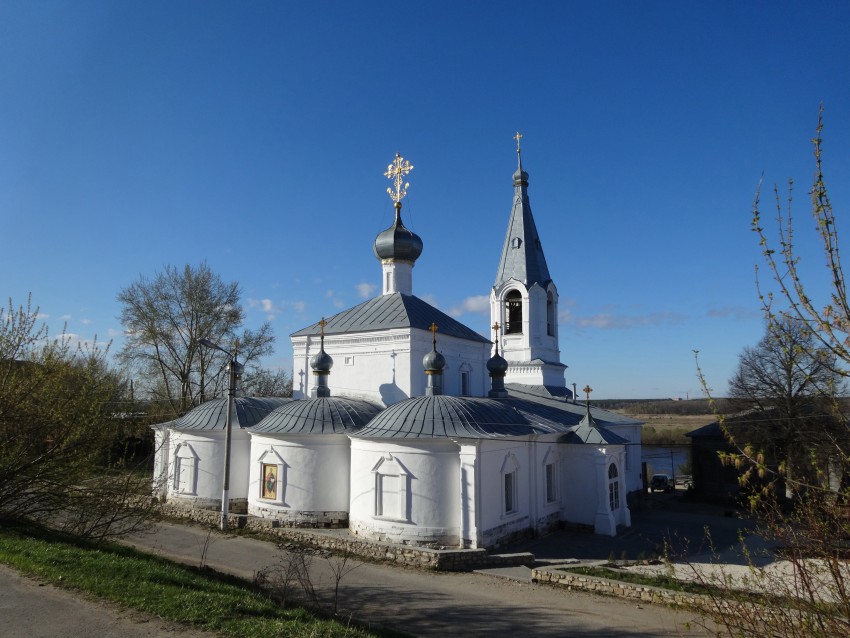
(269, 481)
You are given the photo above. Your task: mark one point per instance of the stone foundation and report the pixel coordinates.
(512, 531)
(284, 518)
(643, 593)
(175, 504)
(549, 523)
(452, 560)
(341, 542)
(407, 535)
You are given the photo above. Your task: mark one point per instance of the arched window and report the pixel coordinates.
(185, 480)
(550, 314)
(613, 487)
(513, 312)
(392, 491)
(510, 493)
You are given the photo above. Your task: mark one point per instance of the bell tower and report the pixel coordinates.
(524, 299)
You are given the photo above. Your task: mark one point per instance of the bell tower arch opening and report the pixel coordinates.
(513, 312)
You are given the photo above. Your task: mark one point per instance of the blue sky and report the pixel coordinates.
(254, 135)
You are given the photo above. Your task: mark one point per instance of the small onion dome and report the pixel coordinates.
(434, 361)
(321, 362)
(520, 177)
(497, 365)
(397, 242)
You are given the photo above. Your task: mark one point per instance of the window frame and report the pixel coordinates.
(388, 466)
(613, 487)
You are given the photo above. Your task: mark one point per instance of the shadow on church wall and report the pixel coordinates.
(391, 393)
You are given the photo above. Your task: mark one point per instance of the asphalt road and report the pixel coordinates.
(416, 602)
(433, 604)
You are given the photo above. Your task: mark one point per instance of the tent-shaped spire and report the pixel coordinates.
(522, 254)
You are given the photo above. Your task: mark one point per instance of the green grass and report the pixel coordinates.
(198, 598)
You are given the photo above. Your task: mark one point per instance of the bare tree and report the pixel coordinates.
(341, 566)
(292, 569)
(806, 594)
(830, 324)
(262, 382)
(787, 385)
(164, 319)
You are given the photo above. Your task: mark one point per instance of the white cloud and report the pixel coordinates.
(365, 290)
(85, 322)
(565, 317)
(299, 306)
(66, 317)
(607, 321)
(740, 313)
(430, 299)
(477, 304)
(270, 309)
(267, 306)
(339, 303)
(42, 316)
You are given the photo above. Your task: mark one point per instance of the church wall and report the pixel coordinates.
(585, 496)
(367, 365)
(201, 455)
(311, 479)
(505, 510)
(405, 492)
(386, 366)
(580, 484)
(632, 464)
(547, 513)
(161, 466)
(471, 356)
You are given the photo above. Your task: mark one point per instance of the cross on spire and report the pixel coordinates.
(322, 324)
(496, 327)
(396, 172)
(587, 390)
(433, 328)
(518, 137)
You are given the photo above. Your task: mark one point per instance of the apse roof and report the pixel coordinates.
(212, 415)
(444, 416)
(591, 433)
(543, 398)
(395, 310)
(519, 414)
(327, 415)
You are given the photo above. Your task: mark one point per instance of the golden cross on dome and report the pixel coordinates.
(322, 324)
(396, 172)
(433, 328)
(235, 348)
(518, 137)
(496, 327)
(587, 390)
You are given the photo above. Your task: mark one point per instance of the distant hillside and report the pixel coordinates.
(690, 407)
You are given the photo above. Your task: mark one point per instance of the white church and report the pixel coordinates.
(413, 428)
